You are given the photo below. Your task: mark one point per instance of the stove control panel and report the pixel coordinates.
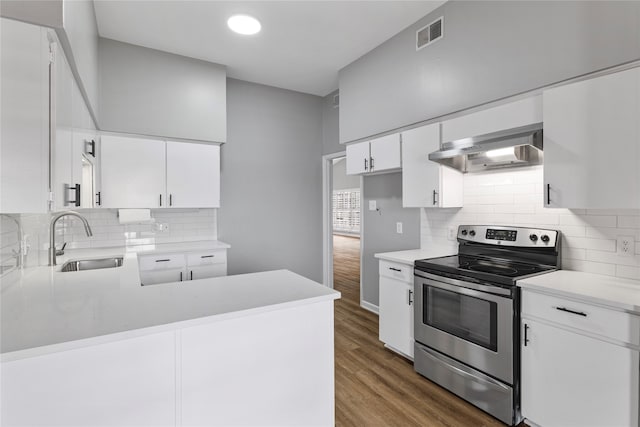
(508, 236)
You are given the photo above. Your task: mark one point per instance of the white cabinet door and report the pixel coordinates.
(592, 143)
(133, 172)
(573, 380)
(193, 175)
(24, 122)
(396, 315)
(426, 183)
(156, 277)
(63, 180)
(358, 158)
(385, 153)
(205, 271)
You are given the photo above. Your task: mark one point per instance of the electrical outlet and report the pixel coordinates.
(372, 205)
(162, 227)
(451, 233)
(399, 227)
(626, 245)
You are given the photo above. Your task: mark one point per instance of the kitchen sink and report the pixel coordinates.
(92, 264)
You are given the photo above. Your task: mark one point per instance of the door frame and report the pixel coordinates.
(327, 219)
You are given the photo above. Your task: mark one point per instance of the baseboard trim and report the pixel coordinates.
(395, 350)
(369, 307)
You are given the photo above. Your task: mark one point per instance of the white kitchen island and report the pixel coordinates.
(96, 348)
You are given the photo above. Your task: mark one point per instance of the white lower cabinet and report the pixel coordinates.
(571, 376)
(178, 267)
(396, 307)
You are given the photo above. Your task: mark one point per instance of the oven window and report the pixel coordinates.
(470, 318)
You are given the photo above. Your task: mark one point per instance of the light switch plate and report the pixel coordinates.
(399, 227)
(372, 205)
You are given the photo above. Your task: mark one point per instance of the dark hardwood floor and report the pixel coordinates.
(374, 386)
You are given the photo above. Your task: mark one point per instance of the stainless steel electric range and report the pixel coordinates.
(467, 313)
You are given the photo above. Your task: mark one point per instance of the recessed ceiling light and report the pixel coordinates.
(244, 24)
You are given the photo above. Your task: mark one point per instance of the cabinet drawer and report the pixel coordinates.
(206, 271)
(207, 257)
(161, 261)
(396, 271)
(613, 324)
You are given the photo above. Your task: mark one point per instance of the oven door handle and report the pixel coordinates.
(463, 370)
(456, 285)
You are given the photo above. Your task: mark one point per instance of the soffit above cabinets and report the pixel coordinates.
(301, 47)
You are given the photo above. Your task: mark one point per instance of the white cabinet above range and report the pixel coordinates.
(377, 155)
(149, 173)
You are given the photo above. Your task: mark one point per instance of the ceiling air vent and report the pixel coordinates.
(430, 33)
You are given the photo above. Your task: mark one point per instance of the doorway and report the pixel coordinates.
(342, 232)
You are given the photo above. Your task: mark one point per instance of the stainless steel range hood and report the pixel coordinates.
(520, 146)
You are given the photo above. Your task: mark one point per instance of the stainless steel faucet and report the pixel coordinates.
(20, 253)
(52, 232)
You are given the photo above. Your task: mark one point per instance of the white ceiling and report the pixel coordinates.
(301, 47)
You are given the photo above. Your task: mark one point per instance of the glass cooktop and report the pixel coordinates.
(490, 269)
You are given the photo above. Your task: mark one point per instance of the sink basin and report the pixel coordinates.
(92, 264)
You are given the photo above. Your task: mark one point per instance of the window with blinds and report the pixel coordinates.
(346, 211)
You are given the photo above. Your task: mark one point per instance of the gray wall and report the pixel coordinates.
(271, 198)
(330, 128)
(380, 227)
(490, 50)
(40, 12)
(342, 181)
(146, 91)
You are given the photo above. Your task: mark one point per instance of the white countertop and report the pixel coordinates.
(45, 310)
(410, 256)
(613, 292)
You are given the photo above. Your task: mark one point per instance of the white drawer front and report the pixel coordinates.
(207, 257)
(598, 320)
(396, 271)
(161, 261)
(165, 276)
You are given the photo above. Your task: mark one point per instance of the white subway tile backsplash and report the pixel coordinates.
(514, 197)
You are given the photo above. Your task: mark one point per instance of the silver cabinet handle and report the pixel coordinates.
(207, 256)
(181, 276)
(526, 335)
(410, 295)
(394, 269)
(191, 275)
(371, 163)
(76, 190)
(163, 260)
(366, 167)
(435, 201)
(161, 200)
(170, 199)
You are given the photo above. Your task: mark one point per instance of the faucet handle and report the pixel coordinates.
(61, 250)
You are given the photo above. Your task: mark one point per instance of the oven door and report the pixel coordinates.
(467, 322)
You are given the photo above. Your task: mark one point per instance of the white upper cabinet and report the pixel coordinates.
(385, 153)
(149, 173)
(24, 122)
(426, 183)
(133, 172)
(592, 143)
(378, 155)
(358, 158)
(193, 175)
(512, 115)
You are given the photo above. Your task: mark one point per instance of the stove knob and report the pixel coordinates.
(463, 232)
(472, 233)
(544, 238)
(533, 237)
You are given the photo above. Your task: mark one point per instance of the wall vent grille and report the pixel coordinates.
(430, 33)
